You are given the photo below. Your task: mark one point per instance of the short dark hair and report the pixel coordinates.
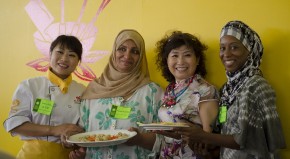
(175, 40)
(71, 42)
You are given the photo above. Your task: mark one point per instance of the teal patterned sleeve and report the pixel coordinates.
(157, 100)
(84, 113)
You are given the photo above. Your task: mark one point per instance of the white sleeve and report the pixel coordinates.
(20, 111)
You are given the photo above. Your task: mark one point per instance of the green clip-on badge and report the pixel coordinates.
(223, 114)
(120, 112)
(43, 106)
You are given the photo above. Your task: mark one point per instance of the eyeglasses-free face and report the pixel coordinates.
(127, 56)
(63, 61)
(233, 53)
(182, 62)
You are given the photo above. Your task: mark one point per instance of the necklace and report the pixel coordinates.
(169, 99)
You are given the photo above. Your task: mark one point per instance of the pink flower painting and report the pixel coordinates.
(48, 30)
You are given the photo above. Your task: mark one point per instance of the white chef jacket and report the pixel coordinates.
(65, 109)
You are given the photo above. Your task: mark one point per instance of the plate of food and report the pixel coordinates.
(101, 138)
(161, 125)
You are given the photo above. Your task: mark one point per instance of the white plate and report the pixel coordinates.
(160, 126)
(75, 139)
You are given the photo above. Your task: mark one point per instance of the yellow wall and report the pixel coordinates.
(152, 18)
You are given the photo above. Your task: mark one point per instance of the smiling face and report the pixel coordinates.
(63, 61)
(182, 62)
(127, 56)
(233, 53)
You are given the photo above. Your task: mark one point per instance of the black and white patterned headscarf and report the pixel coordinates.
(251, 40)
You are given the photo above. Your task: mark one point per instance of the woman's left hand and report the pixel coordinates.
(193, 132)
(191, 136)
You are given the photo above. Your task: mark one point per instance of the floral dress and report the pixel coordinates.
(181, 103)
(95, 113)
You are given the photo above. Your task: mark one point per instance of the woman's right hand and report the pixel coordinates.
(65, 131)
(79, 153)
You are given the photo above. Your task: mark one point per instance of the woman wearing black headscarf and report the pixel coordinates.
(250, 125)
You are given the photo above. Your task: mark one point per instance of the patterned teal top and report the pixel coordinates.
(144, 104)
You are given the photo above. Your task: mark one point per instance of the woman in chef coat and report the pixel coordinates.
(44, 108)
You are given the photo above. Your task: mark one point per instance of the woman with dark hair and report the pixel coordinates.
(45, 108)
(250, 124)
(188, 98)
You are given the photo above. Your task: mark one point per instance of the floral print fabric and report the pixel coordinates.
(144, 104)
(186, 108)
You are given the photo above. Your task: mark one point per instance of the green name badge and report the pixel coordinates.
(43, 106)
(120, 112)
(223, 114)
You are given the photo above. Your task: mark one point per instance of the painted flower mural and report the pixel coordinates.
(48, 30)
